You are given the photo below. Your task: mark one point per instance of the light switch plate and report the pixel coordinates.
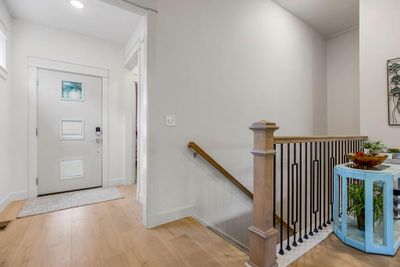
(170, 120)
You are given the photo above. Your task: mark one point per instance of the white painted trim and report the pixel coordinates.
(130, 138)
(149, 69)
(343, 32)
(53, 64)
(136, 6)
(35, 63)
(169, 216)
(13, 196)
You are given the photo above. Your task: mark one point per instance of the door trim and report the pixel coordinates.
(36, 63)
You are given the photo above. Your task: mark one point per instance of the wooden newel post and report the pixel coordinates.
(263, 236)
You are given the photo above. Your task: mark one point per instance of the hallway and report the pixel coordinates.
(109, 234)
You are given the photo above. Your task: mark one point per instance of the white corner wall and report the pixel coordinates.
(34, 40)
(379, 42)
(343, 89)
(220, 66)
(5, 121)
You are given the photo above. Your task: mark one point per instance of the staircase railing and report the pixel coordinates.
(292, 178)
(199, 151)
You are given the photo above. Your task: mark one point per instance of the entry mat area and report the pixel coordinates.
(68, 200)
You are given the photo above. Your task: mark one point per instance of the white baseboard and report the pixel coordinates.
(169, 216)
(114, 181)
(141, 198)
(13, 196)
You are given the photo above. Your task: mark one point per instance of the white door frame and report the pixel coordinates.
(34, 64)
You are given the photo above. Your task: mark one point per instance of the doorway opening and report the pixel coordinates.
(87, 125)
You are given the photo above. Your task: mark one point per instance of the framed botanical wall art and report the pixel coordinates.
(393, 71)
(72, 91)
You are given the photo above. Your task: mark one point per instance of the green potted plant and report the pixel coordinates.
(356, 196)
(374, 147)
(371, 156)
(395, 153)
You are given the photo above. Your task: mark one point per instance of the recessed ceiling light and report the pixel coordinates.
(77, 4)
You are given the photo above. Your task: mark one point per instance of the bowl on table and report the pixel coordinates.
(367, 160)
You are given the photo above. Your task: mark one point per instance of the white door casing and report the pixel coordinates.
(35, 65)
(69, 129)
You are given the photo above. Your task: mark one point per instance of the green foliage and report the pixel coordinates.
(356, 196)
(375, 147)
(394, 150)
(395, 91)
(395, 80)
(394, 68)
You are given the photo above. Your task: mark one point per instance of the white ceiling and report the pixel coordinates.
(97, 19)
(328, 17)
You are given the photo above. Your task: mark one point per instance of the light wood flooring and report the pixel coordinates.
(109, 234)
(333, 253)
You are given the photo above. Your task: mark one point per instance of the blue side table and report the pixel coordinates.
(378, 237)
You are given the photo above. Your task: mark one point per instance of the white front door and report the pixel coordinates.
(69, 131)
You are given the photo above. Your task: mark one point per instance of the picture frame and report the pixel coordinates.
(393, 91)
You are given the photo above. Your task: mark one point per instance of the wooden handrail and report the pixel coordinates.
(198, 150)
(216, 165)
(308, 139)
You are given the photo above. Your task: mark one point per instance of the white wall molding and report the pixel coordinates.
(136, 6)
(157, 219)
(13, 196)
(343, 32)
(53, 64)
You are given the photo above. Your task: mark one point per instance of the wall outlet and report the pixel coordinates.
(170, 120)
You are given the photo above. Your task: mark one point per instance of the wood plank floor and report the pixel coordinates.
(333, 253)
(109, 234)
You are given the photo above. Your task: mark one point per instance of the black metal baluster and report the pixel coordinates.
(329, 183)
(274, 191)
(325, 179)
(305, 187)
(315, 196)
(311, 188)
(294, 190)
(301, 190)
(288, 196)
(332, 164)
(342, 152)
(320, 186)
(281, 205)
(338, 158)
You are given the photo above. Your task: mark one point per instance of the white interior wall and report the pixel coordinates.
(343, 90)
(221, 66)
(39, 41)
(379, 42)
(5, 120)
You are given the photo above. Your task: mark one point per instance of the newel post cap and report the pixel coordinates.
(264, 125)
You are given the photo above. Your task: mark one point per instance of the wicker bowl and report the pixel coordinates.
(367, 160)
